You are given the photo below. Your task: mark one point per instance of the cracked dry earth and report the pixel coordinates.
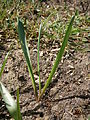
(67, 97)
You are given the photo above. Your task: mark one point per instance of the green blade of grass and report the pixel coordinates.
(38, 58)
(49, 17)
(18, 106)
(3, 65)
(59, 56)
(26, 54)
(9, 101)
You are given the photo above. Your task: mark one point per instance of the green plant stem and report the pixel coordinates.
(58, 58)
(19, 117)
(33, 82)
(38, 58)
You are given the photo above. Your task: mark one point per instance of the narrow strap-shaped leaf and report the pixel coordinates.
(59, 56)
(19, 117)
(38, 58)
(48, 18)
(3, 65)
(9, 101)
(25, 49)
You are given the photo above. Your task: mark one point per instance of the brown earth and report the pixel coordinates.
(67, 97)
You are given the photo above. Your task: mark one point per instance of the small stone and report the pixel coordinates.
(55, 108)
(53, 91)
(70, 66)
(81, 118)
(41, 53)
(39, 119)
(46, 118)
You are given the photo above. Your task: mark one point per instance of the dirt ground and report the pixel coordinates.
(67, 97)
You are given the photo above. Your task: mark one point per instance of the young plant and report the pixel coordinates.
(27, 56)
(11, 105)
(59, 56)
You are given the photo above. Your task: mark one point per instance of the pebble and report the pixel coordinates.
(53, 91)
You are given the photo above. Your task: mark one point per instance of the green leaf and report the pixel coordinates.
(25, 49)
(59, 56)
(3, 65)
(19, 117)
(9, 101)
(38, 58)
